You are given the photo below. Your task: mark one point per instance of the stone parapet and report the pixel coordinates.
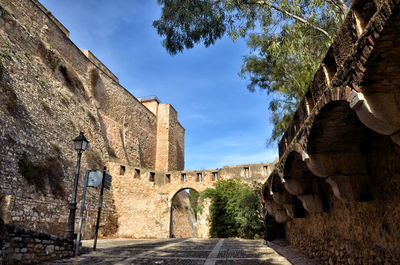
(24, 246)
(100, 65)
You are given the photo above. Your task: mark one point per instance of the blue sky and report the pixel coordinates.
(225, 123)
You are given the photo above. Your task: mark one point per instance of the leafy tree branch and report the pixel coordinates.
(287, 40)
(291, 15)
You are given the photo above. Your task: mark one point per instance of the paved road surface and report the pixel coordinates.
(180, 252)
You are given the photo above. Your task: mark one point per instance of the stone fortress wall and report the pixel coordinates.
(336, 183)
(51, 90)
(143, 197)
(170, 133)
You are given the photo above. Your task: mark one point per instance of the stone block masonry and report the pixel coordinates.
(143, 197)
(24, 246)
(336, 185)
(51, 91)
(170, 136)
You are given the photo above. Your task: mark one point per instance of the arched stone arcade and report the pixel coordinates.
(338, 155)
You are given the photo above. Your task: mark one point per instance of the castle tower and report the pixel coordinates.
(170, 135)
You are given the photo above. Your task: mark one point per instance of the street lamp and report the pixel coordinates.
(80, 145)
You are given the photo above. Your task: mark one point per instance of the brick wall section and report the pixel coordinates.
(115, 98)
(256, 172)
(54, 19)
(24, 246)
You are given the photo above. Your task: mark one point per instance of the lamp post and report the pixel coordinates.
(80, 145)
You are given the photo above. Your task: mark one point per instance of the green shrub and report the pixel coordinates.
(50, 44)
(235, 210)
(8, 12)
(27, 28)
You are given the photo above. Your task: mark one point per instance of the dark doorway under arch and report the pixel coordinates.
(183, 214)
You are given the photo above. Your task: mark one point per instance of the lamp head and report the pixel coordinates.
(80, 142)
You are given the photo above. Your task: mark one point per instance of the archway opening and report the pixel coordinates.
(183, 214)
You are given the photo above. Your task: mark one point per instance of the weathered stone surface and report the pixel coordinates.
(17, 249)
(342, 145)
(143, 203)
(51, 91)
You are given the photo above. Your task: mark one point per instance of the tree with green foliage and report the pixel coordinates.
(287, 41)
(235, 209)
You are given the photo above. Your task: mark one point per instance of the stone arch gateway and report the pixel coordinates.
(183, 213)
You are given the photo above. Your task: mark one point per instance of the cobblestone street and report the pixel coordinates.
(185, 251)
